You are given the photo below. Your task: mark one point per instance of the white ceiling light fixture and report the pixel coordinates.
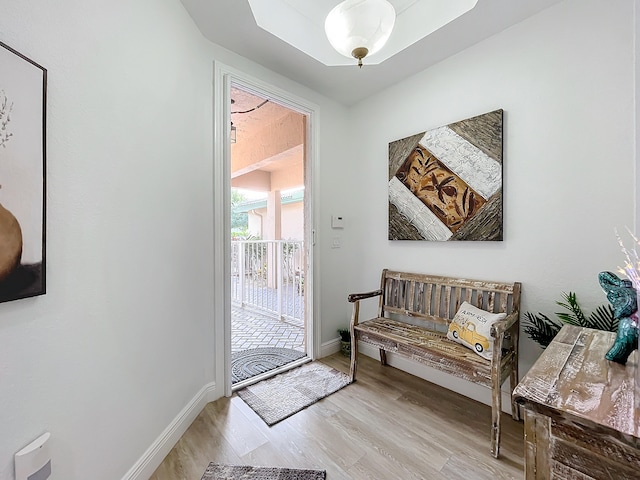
(301, 23)
(357, 28)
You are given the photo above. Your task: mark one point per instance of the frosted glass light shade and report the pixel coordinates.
(357, 24)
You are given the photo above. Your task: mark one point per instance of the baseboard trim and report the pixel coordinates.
(458, 385)
(330, 347)
(161, 447)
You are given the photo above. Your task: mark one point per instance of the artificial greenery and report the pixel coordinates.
(345, 335)
(541, 329)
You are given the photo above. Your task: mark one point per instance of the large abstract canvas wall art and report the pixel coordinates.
(23, 86)
(445, 184)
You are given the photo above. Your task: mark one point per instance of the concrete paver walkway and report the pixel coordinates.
(250, 329)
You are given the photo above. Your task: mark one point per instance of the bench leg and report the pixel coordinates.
(513, 381)
(496, 410)
(383, 357)
(354, 358)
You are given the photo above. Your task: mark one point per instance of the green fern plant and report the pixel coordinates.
(345, 334)
(603, 319)
(541, 329)
(574, 314)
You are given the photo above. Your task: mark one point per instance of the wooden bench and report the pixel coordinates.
(414, 313)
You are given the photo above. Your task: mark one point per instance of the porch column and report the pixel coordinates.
(273, 231)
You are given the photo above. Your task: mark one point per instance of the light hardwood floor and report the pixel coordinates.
(388, 425)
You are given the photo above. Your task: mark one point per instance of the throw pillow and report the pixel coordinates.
(471, 326)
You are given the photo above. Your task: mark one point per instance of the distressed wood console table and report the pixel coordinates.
(580, 411)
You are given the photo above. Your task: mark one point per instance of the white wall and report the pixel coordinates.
(124, 339)
(118, 346)
(565, 79)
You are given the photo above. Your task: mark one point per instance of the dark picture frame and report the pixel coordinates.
(23, 107)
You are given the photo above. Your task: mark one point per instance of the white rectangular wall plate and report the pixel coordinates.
(337, 221)
(33, 462)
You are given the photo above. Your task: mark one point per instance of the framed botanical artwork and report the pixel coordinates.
(23, 100)
(446, 183)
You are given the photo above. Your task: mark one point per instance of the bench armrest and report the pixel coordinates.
(502, 326)
(354, 297)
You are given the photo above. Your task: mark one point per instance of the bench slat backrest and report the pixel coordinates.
(437, 299)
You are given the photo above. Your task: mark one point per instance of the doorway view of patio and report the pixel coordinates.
(266, 311)
(268, 261)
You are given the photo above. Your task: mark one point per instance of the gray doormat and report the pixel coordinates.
(283, 395)
(244, 472)
(249, 363)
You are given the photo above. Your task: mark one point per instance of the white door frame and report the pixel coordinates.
(224, 76)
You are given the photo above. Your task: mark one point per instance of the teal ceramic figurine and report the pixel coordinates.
(624, 300)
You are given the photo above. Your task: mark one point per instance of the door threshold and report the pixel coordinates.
(271, 373)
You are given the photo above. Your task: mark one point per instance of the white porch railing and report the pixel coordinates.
(268, 276)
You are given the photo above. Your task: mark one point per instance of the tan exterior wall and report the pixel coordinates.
(292, 217)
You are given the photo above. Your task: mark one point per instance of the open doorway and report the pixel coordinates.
(269, 321)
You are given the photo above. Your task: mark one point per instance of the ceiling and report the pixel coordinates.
(230, 24)
(268, 153)
(250, 113)
(301, 23)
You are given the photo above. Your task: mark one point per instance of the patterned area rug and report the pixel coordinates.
(240, 472)
(249, 363)
(283, 395)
